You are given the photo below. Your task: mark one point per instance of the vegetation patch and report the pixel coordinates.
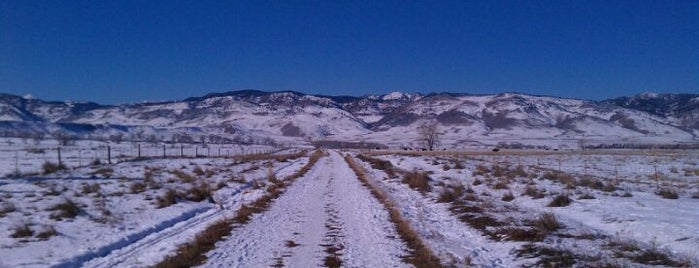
(418, 180)
(667, 193)
(67, 209)
(561, 200)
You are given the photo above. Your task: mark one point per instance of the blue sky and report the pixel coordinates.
(131, 51)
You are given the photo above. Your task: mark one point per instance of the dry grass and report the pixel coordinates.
(561, 200)
(192, 254)
(420, 255)
(507, 197)
(67, 209)
(167, 199)
(90, 188)
(379, 164)
(137, 187)
(547, 256)
(47, 233)
(417, 180)
(49, 167)
(22, 230)
(667, 193)
(547, 223)
(533, 192)
(560, 177)
(447, 196)
(183, 176)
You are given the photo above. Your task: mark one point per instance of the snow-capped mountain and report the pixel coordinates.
(252, 116)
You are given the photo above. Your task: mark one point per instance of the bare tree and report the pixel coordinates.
(429, 134)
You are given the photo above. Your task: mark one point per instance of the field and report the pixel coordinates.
(267, 207)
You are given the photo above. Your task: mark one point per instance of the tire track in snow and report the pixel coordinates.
(293, 231)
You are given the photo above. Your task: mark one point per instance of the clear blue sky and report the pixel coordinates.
(131, 51)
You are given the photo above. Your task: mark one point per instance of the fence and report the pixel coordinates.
(23, 159)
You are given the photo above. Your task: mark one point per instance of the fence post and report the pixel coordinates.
(139, 150)
(109, 154)
(17, 162)
(60, 162)
(164, 155)
(181, 151)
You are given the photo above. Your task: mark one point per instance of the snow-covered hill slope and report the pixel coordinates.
(289, 117)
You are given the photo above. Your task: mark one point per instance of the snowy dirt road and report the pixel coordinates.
(325, 218)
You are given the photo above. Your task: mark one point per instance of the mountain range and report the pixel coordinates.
(293, 118)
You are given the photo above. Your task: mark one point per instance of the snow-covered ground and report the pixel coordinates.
(121, 206)
(630, 211)
(122, 215)
(327, 208)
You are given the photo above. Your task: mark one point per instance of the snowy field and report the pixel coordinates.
(468, 209)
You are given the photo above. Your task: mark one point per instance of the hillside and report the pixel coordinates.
(289, 117)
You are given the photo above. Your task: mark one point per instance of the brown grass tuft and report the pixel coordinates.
(417, 180)
(561, 200)
(667, 193)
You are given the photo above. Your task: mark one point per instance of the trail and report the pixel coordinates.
(325, 218)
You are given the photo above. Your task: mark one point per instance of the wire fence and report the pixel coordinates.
(30, 159)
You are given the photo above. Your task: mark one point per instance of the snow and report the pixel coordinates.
(330, 195)
(330, 207)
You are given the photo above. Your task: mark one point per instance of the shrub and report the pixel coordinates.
(167, 199)
(480, 170)
(560, 177)
(183, 176)
(627, 194)
(547, 223)
(137, 187)
(667, 193)
(561, 200)
(477, 182)
(47, 232)
(90, 188)
(609, 187)
(533, 192)
(418, 181)
(198, 171)
(519, 171)
(446, 196)
(519, 234)
(22, 230)
(380, 164)
(695, 195)
(49, 167)
(501, 184)
(199, 192)
(67, 209)
(507, 197)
